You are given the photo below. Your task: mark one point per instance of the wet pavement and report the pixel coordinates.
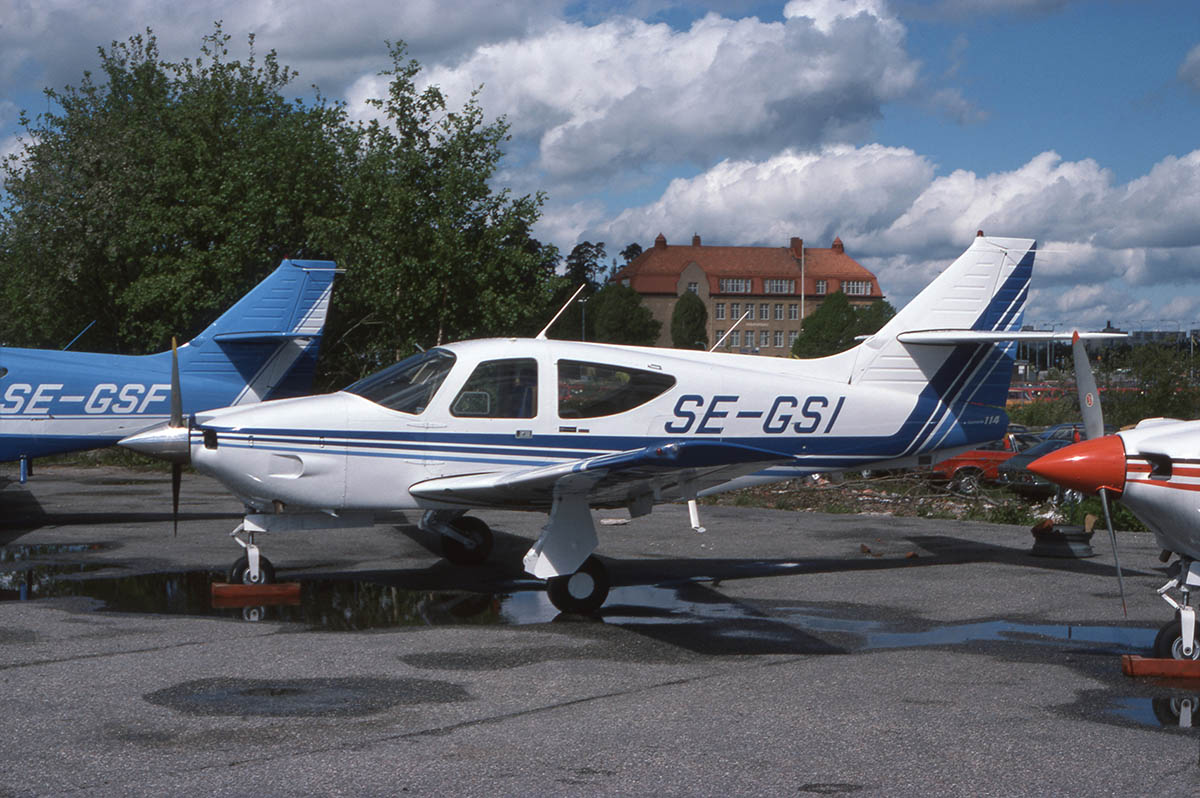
(779, 653)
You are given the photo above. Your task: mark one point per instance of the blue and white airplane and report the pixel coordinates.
(265, 346)
(563, 427)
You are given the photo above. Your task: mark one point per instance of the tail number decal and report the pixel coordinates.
(802, 416)
(104, 398)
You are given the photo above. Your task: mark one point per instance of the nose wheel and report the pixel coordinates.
(1177, 639)
(582, 592)
(240, 573)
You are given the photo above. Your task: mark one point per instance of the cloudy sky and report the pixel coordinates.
(902, 126)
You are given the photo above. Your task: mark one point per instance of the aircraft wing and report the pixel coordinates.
(671, 472)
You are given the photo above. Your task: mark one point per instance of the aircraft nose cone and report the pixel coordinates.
(1086, 466)
(162, 441)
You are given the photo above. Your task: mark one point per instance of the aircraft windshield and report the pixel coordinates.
(407, 386)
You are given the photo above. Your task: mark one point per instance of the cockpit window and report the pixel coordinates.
(499, 389)
(407, 386)
(591, 390)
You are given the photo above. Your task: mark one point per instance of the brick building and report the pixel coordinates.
(778, 286)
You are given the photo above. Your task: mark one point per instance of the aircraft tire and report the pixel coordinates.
(477, 530)
(239, 572)
(582, 592)
(1168, 644)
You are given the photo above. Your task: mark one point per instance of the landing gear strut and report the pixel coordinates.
(1177, 639)
(252, 568)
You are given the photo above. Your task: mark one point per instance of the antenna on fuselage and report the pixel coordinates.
(727, 332)
(542, 335)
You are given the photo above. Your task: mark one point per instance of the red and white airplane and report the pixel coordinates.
(1154, 469)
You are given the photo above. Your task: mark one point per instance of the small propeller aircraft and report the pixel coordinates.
(264, 346)
(563, 427)
(1155, 471)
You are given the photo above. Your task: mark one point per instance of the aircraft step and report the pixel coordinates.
(227, 595)
(1134, 665)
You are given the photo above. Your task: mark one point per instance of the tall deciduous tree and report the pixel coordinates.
(621, 318)
(833, 326)
(151, 197)
(689, 323)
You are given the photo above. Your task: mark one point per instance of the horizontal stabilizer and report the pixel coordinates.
(956, 337)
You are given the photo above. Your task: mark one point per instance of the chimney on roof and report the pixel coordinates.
(797, 246)
(696, 240)
(838, 247)
(660, 242)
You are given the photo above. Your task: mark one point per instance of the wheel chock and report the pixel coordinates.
(1134, 665)
(274, 593)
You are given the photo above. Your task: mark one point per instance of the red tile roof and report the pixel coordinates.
(657, 270)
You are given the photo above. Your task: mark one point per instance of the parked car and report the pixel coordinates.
(966, 472)
(1015, 475)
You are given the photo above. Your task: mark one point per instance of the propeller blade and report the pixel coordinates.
(1112, 536)
(176, 392)
(1089, 397)
(176, 481)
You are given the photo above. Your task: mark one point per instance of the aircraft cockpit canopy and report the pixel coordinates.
(407, 386)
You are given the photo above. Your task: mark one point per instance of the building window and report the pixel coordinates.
(857, 287)
(749, 311)
(778, 311)
(734, 285)
(779, 286)
(694, 287)
(793, 311)
(721, 334)
(735, 310)
(821, 286)
(764, 312)
(779, 339)
(735, 339)
(764, 338)
(720, 311)
(792, 336)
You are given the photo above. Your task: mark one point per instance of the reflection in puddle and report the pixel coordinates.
(357, 604)
(1168, 712)
(24, 552)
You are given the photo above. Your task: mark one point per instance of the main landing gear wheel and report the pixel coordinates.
(475, 530)
(239, 572)
(1169, 642)
(582, 592)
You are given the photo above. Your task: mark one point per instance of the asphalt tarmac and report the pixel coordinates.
(779, 653)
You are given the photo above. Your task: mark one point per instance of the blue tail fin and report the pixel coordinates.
(270, 339)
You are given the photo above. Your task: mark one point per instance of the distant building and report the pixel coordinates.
(777, 286)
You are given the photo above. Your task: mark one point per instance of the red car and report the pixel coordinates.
(967, 471)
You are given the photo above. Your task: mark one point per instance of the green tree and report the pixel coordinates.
(153, 196)
(872, 317)
(829, 329)
(689, 323)
(433, 254)
(621, 318)
(582, 267)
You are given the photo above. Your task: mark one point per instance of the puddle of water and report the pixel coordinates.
(24, 552)
(351, 605)
(1180, 711)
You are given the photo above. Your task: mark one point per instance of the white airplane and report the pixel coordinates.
(562, 427)
(1154, 469)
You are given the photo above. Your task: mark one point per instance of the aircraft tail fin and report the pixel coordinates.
(953, 346)
(268, 340)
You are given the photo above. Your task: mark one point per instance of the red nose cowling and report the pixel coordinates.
(1086, 466)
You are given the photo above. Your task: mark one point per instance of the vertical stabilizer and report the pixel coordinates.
(270, 339)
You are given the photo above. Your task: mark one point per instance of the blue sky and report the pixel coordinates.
(900, 126)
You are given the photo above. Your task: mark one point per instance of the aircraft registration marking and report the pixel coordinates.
(22, 398)
(817, 414)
